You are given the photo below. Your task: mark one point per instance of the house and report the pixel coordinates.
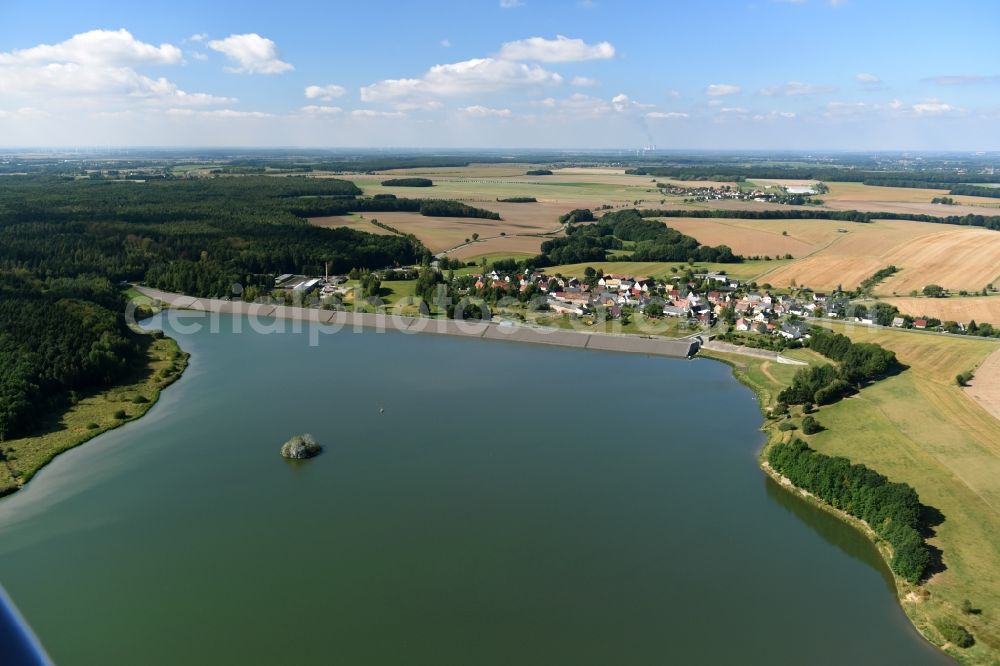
(565, 308)
(920, 323)
(576, 298)
(644, 283)
(674, 311)
(794, 330)
(743, 324)
(897, 322)
(819, 297)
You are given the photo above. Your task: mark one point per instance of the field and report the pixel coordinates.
(984, 388)
(919, 427)
(961, 309)
(952, 256)
(856, 196)
(481, 186)
(761, 237)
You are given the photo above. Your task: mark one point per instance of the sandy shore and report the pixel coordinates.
(333, 320)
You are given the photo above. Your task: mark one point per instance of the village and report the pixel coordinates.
(745, 313)
(793, 195)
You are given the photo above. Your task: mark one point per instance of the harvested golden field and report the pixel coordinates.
(960, 309)
(527, 246)
(443, 233)
(576, 190)
(926, 253)
(856, 196)
(985, 386)
(353, 221)
(772, 238)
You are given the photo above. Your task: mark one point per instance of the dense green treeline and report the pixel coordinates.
(985, 221)
(653, 241)
(892, 510)
(408, 182)
(938, 179)
(858, 362)
(53, 341)
(973, 191)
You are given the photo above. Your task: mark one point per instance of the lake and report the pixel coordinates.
(512, 504)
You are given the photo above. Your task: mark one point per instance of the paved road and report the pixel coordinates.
(727, 348)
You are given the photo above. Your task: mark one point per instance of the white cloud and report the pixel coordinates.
(560, 49)
(478, 111)
(721, 89)
(511, 4)
(665, 115)
(583, 82)
(371, 113)
(108, 48)
(469, 77)
(933, 108)
(24, 112)
(223, 114)
(198, 55)
(96, 67)
(674, 93)
(895, 105)
(425, 105)
(446, 43)
(316, 110)
(325, 93)
(773, 115)
(198, 37)
(867, 79)
(252, 53)
(733, 110)
(794, 89)
(622, 103)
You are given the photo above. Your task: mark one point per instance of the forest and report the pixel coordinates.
(986, 221)
(652, 241)
(57, 336)
(892, 510)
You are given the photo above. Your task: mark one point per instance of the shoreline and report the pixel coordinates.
(907, 595)
(337, 320)
(49, 443)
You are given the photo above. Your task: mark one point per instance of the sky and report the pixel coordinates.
(556, 74)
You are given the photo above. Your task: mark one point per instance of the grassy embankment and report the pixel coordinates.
(93, 413)
(919, 428)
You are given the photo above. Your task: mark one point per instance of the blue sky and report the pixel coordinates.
(766, 74)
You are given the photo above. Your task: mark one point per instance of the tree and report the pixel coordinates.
(935, 291)
(653, 310)
(810, 426)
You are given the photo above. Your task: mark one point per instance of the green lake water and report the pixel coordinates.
(513, 504)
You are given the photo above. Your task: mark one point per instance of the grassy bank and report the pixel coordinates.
(919, 428)
(91, 414)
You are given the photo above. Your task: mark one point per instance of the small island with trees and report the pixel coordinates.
(301, 447)
(538, 172)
